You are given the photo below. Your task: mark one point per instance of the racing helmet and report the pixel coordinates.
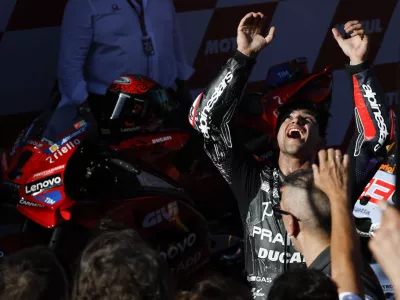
(289, 86)
(133, 104)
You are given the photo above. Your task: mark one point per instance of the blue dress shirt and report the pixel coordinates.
(102, 40)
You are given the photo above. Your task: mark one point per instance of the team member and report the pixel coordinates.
(301, 132)
(102, 40)
(318, 218)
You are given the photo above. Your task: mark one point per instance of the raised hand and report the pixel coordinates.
(356, 46)
(331, 176)
(385, 245)
(250, 40)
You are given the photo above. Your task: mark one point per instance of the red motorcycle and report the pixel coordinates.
(142, 171)
(66, 183)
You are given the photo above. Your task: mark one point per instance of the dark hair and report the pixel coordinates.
(318, 201)
(33, 273)
(318, 110)
(216, 287)
(299, 284)
(119, 265)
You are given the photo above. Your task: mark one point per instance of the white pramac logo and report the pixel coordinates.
(123, 80)
(39, 186)
(158, 216)
(383, 133)
(211, 102)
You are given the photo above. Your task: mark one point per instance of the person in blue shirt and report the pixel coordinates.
(102, 40)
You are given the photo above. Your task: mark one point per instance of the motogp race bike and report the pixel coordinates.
(67, 186)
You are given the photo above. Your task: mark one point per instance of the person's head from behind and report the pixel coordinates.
(305, 209)
(120, 265)
(216, 287)
(303, 284)
(301, 129)
(34, 274)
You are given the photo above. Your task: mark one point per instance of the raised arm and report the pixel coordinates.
(371, 110)
(213, 109)
(76, 38)
(331, 176)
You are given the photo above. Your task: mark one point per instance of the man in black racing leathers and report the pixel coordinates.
(268, 249)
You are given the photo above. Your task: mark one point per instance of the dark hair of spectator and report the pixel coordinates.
(320, 212)
(119, 265)
(34, 274)
(216, 287)
(303, 284)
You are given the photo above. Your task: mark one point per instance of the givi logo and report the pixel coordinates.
(375, 17)
(166, 213)
(219, 41)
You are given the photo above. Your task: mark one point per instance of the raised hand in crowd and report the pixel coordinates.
(356, 46)
(386, 244)
(250, 39)
(331, 176)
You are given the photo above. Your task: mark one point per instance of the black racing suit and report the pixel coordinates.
(268, 249)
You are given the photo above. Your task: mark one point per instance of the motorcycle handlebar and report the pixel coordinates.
(124, 165)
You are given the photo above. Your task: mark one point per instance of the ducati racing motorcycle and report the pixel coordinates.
(66, 183)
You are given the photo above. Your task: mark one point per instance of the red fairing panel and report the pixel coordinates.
(40, 167)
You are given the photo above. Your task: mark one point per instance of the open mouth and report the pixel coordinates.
(295, 134)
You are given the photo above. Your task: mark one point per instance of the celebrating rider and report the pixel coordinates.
(301, 130)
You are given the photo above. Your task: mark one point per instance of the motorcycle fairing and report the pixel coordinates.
(35, 168)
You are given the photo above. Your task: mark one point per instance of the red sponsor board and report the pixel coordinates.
(374, 15)
(219, 41)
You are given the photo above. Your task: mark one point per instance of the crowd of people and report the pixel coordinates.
(118, 264)
(299, 231)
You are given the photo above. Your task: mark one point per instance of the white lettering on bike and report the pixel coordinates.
(188, 263)
(179, 247)
(130, 129)
(31, 204)
(63, 150)
(204, 126)
(47, 172)
(74, 134)
(165, 213)
(383, 132)
(161, 139)
(34, 143)
(37, 187)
